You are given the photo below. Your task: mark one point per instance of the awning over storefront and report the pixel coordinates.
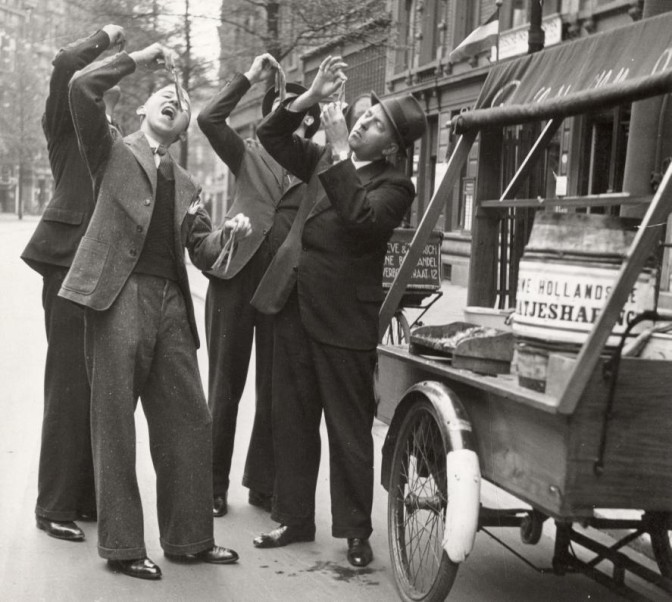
(601, 70)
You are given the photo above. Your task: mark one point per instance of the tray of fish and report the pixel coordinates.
(481, 349)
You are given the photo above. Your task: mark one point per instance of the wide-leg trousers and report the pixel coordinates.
(310, 377)
(65, 484)
(142, 347)
(231, 325)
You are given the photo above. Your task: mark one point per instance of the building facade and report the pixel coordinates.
(417, 49)
(587, 154)
(31, 31)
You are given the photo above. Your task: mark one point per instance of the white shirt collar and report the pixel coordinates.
(153, 144)
(358, 164)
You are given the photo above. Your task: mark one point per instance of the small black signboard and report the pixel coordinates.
(427, 274)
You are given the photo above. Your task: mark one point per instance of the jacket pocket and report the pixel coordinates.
(87, 267)
(372, 294)
(64, 216)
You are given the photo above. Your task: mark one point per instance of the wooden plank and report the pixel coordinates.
(424, 231)
(637, 466)
(504, 386)
(598, 200)
(531, 159)
(520, 448)
(644, 244)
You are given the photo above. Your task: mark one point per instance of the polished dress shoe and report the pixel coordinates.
(142, 568)
(60, 529)
(261, 500)
(220, 506)
(284, 535)
(213, 555)
(359, 552)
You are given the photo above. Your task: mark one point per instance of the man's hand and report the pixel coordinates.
(116, 35)
(154, 56)
(237, 227)
(335, 127)
(262, 68)
(330, 77)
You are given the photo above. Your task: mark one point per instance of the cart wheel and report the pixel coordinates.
(660, 529)
(399, 331)
(531, 527)
(416, 510)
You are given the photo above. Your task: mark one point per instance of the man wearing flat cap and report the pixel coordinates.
(231, 322)
(326, 332)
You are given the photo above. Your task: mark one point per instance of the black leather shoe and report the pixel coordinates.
(60, 529)
(220, 506)
(218, 555)
(359, 552)
(284, 535)
(142, 568)
(213, 555)
(261, 500)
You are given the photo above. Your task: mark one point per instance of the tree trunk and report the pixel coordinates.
(273, 28)
(186, 77)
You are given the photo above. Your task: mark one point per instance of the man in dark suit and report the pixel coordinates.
(65, 486)
(231, 323)
(326, 333)
(129, 273)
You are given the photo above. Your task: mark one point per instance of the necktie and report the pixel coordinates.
(279, 279)
(165, 163)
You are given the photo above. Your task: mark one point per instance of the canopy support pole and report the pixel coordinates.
(424, 231)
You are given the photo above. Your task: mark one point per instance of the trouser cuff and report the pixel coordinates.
(187, 548)
(122, 553)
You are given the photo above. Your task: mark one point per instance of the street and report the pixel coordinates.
(35, 567)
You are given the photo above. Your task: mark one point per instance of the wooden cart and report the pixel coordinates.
(603, 439)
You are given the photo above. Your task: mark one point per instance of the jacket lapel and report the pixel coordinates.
(365, 174)
(274, 167)
(143, 153)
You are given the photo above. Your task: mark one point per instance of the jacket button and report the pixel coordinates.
(265, 231)
(148, 202)
(139, 228)
(132, 252)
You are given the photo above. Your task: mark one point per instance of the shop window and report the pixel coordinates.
(428, 33)
(405, 28)
(515, 13)
(603, 150)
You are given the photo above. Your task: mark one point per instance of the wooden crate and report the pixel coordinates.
(547, 458)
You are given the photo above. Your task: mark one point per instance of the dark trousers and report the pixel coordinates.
(65, 485)
(143, 347)
(309, 377)
(231, 325)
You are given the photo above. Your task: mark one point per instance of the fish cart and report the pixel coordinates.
(594, 430)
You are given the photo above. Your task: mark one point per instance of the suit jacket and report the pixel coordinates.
(67, 215)
(260, 181)
(344, 239)
(124, 176)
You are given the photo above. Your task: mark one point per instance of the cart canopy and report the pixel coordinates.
(598, 71)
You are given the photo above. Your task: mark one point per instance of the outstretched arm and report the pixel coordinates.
(86, 98)
(228, 145)
(57, 121)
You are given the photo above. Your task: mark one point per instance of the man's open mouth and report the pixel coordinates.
(169, 112)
